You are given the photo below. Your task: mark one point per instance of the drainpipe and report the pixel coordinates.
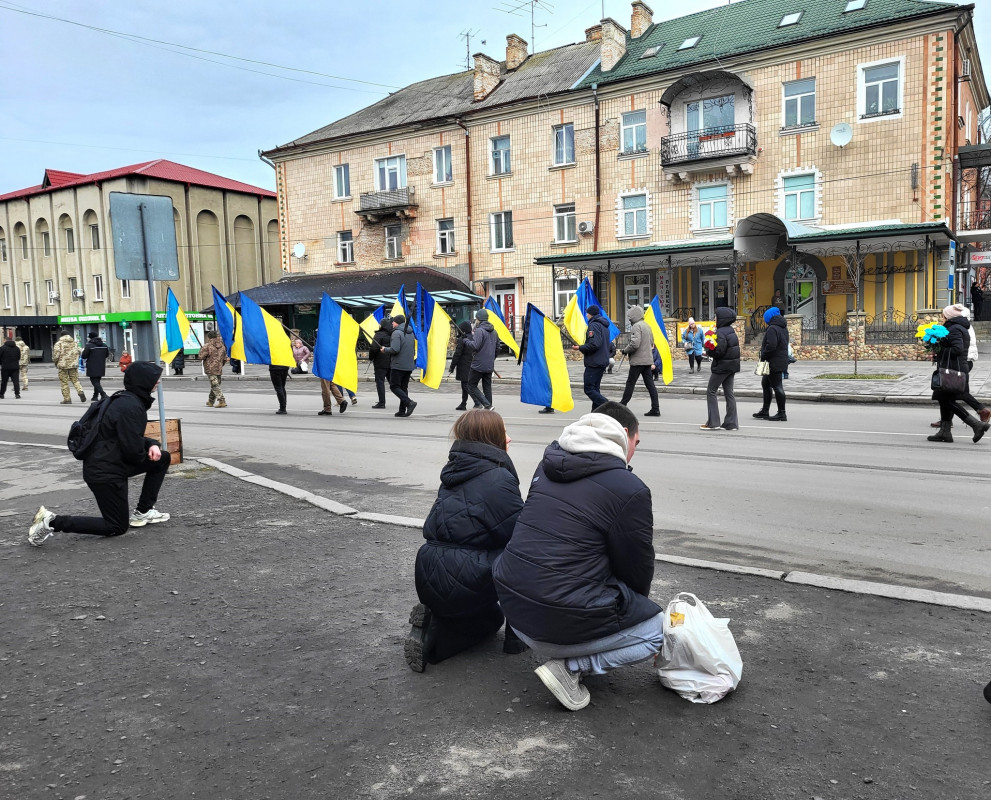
(471, 267)
(598, 177)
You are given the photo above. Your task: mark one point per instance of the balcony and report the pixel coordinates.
(733, 148)
(398, 203)
(974, 221)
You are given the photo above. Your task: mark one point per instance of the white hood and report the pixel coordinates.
(595, 433)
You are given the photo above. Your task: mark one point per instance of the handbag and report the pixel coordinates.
(950, 381)
(762, 368)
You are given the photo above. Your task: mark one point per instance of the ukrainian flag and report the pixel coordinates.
(228, 325)
(654, 317)
(498, 321)
(373, 322)
(335, 358)
(544, 380)
(265, 341)
(176, 328)
(576, 314)
(400, 307)
(435, 325)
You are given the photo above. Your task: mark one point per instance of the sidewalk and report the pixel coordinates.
(252, 647)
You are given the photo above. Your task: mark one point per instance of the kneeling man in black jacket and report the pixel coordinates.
(120, 451)
(575, 577)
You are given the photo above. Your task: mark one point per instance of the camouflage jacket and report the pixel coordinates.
(214, 356)
(65, 354)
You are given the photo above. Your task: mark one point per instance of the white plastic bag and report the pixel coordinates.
(699, 659)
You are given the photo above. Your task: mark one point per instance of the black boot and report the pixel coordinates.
(943, 435)
(979, 428)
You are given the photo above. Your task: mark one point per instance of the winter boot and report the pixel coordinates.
(979, 428)
(943, 435)
(222, 404)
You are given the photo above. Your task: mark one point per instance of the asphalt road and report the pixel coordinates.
(841, 489)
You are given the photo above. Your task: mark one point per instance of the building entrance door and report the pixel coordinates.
(636, 292)
(713, 294)
(129, 343)
(505, 296)
(801, 293)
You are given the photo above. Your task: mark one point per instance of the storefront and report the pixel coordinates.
(132, 332)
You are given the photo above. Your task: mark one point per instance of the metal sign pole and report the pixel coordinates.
(156, 347)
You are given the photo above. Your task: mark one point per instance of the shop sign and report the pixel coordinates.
(838, 287)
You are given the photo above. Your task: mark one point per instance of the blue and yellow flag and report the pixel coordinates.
(176, 328)
(401, 307)
(544, 380)
(576, 314)
(498, 321)
(335, 358)
(372, 322)
(435, 334)
(654, 317)
(228, 325)
(265, 340)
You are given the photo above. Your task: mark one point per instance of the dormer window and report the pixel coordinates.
(854, 5)
(689, 43)
(790, 19)
(650, 52)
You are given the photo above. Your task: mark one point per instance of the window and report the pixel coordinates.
(345, 247)
(445, 236)
(800, 196)
(125, 289)
(714, 115)
(564, 144)
(49, 291)
(73, 285)
(501, 164)
(94, 233)
(392, 234)
(633, 215)
(27, 294)
(880, 89)
(689, 43)
(6, 295)
(390, 173)
(501, 230)
(24, 247)
(790, 19)
(564, 290)
(98, 288)
(443, 172)
(564, 223)
(854, 5)
(46, 243)
(650, 52)
(800, 102)
(712, 207)
(342, 181)
(634, 132)
(70, 241)
(3, 249)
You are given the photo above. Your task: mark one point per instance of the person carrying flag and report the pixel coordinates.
(381, 360)
(402, 349)
(483, 343)
(596, 352)
(641, 353)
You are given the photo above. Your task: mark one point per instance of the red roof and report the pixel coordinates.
(160, 168)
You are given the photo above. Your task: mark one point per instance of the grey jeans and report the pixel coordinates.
(597, 657)
(726, 381)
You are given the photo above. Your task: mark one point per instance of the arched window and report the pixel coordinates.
(67, 236)
(273, 249)
(207, 255)
(92, 225)
(245, 252)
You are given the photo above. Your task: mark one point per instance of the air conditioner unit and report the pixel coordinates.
(586, 227)
(78, 294)
(52, 297)
(965, 69)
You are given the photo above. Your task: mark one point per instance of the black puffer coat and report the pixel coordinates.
(774, 348)
(95, 354)
(461, 359)
(10, 355)
(726, 355)
(467, 528)
(121, 448)
(953, 350)
(596, 347)
(381, 340)
(581, 560)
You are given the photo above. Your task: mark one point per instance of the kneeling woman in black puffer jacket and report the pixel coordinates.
(467, 528)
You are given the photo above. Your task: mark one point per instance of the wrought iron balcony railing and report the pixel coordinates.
(709, 143)
(974, 216)
(389, 202)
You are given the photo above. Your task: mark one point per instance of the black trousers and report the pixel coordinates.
(398, 385)
(279, 377)
(484, 397)
(98, 393)
(381, 378)
(10, 375)
(772, 383)
(111, 499)
(454, 634)
(631, 382)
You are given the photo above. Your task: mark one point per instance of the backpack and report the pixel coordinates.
(83, 432)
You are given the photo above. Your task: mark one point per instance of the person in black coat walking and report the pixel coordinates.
(725, 354)
(95, 354)
(596, 352)
(179, 361)
(467, 528)
(774, 350)
(10, 367)
(953, 355)
(381, 359)
(461, 363)
(120, 451)
(483, 346)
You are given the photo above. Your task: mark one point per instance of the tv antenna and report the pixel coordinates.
(516, 8)
(467, 35)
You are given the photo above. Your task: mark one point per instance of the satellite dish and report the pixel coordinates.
(299, 249)
(841, 134)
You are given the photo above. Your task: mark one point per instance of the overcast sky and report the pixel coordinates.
(83, 100)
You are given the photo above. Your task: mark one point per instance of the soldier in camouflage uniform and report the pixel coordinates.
(65, 354)
(214, 356)
(25, 360)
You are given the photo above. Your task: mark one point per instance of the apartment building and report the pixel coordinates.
(57, 258)
(802, 146)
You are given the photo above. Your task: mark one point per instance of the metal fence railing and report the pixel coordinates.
(825, 328)
(891, 327)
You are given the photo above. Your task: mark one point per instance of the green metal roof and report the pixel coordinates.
(752, 25)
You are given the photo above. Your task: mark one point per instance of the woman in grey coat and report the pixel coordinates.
(641, 353)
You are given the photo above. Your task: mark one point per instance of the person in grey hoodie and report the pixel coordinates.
(483, 345)
(641, 353)
(402, 350)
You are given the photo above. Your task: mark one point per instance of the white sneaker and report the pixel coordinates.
(151, 515)
(564, 685)
(41, 527)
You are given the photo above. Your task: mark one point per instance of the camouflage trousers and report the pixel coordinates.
(24, 377)
(67, 376)
(216, 393)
